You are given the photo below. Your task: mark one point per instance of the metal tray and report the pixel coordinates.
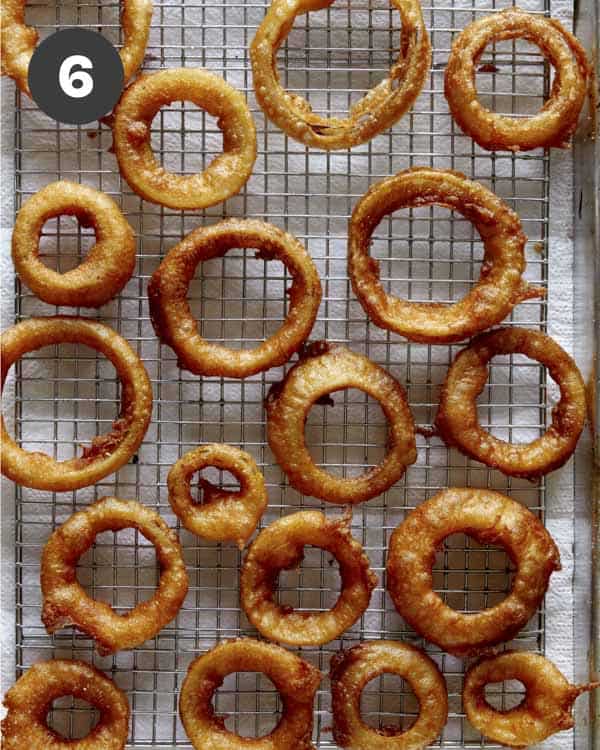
(64, 397)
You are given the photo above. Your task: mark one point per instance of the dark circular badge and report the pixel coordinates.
(76, 76)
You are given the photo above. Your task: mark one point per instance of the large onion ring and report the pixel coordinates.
(172, 318)
(351, 671)
(457, 420)
(65, 602)
(281, 547)
(295, 679)
(19, 41)
(107, 453)
(557, 121)
(378, 110)
(30, 698)
(546, 708)
(108, 265)
(226, 174)
(223, 516)
(490, 518)
(500, 286)
(324, 369)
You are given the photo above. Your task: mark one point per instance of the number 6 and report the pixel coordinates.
(67, 77)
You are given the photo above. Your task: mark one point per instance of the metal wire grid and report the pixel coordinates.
(65, 395)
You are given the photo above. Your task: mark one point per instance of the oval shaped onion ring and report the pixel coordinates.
(295, 679)
(108, 452)
(351, 671)
(66, 603)
(223, 516)
(457, 420)
(557, 121)
(281, 547)
(378, 110)
(225, 175)
(324, 369)
(19, 40)
(108, 265)
(490, 518)
(30, 698)
(546, 708)
(500, 286)
(172, 317)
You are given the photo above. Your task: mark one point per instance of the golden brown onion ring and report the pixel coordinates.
(500, 286)
(490, 518)
(172, 318)
(295, 679)
(65, 602)
(223, 516)
(324, 369)
(108, 265)
(546, 708)
(30, 699)
(557, 121)
(351, 671)
(281, 547)
(19, 40)
(225, 175)
(108, 452)
(458, 423)
(378, 110)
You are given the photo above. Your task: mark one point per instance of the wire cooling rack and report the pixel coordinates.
(65, 395)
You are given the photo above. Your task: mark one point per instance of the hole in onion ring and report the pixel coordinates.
(389, 704)
(185, 138)
(219, 479)
(75, 15)
(236, 700)
(72, 718)
(64, 243)
(314, 586)
(504, 696)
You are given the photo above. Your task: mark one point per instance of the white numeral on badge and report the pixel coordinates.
(67, 77)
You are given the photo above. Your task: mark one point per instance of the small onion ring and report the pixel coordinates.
(65, 602)
(226, 174)
(457, 420)
(108, 452)
(490, 518)
(546, 708)
(223, 516)
(500, 286)
(108, 265)
(30, 698)
(351, 671)
(326, 368)
(19, 40)
(557, 121)
(172, 317)
(279, 547)
(377, 111)
(295, 679)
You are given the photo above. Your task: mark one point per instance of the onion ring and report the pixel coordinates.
(500, 286)
(546, 708)
(108, 452)
(557, 121)
(65, 602)
(172, 318)
(19, 40)
(324, 369)
(281, 547)
(226, 174)
(108, 265)
(223, 516)
(351, 671)
(377, 111)
(490, 518)
(295, 679)
(30, 698)
(457, 420)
